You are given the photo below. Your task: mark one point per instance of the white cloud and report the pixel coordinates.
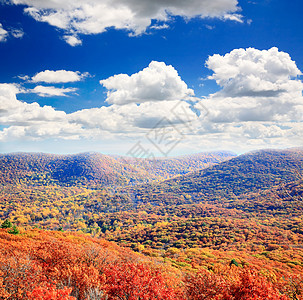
(246, 136)
(3, 34)
(135, 118)
(17, 33)
(260, 105)
(50, 91)
(72, 40)
(209, 27)
(31, 121)
(233, 17)
(135, 16)
(251, 72)
(157, 82)
(24, 77)
(262, 109)
(159, 27)
(60, 76)
(8, 95)
(39, 131)
(257, 86)
(13, 111)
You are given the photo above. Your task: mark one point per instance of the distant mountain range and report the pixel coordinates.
(251, 172)
(216, 200)
(214, 176)
(97, 169)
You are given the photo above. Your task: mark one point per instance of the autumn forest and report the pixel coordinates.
(212, 225)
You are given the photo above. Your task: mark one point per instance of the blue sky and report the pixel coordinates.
(150, 78)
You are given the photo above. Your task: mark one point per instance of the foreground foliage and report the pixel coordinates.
(39, 265)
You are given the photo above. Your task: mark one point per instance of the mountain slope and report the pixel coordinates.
(97, 169)
(247, 173)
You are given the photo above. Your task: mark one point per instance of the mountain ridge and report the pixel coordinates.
(246, 173)
(99, 169)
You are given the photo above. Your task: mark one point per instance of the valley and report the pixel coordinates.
(210, 213)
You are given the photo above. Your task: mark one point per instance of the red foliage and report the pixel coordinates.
(251, 286)
(243, 284)
(61, 266)
(86, 268)
(132, 280)
(204, 285)
(50, 292)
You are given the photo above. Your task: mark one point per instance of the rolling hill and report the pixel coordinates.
(210, 212)
(97, 169)
(251, 172)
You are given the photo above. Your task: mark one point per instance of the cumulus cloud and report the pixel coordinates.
(245, 109)
(159, 26)
(60, 76)
(134, 118)
(50, 91)
(234, 17)
(24, 77)
(257, 86)
(135, 16)
(251, 72)
(35, 122)
(31, 121)
(41, 131)
(8, 96)
(259, 105)
(13, 111)
(157, 82)
(245, 136)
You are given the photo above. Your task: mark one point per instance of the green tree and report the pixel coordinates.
(233, 262)
(14, 230)
(6, 224)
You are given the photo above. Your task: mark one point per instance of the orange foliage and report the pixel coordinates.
(43, 265)
(245, 284)
(132, 280)
(37, 266)
(50, 292)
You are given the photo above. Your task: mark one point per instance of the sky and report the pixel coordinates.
(150, 78)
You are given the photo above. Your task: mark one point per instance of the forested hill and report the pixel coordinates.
(220, 227)
(98, 169)
(246, 173)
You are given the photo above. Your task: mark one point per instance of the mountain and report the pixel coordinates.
(251, 172)
(209, 211)
(284, 199)
(98, 169)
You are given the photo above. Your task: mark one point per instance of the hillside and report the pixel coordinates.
(97, 169)
(173, 166)
(285, 200)
(43, 265)
(253, 183)
(246, 173)
(69, 190)
(191, 225)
